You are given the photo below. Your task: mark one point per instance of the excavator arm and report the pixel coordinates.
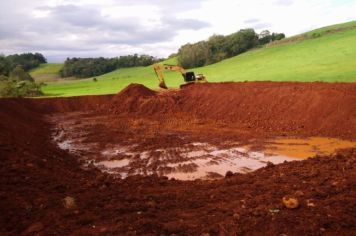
(158, 69)
(159, 72)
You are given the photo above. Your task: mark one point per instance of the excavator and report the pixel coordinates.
(189, 77)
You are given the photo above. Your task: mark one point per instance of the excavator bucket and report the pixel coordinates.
(163, 85)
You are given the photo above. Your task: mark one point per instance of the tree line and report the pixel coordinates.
(27, 61)
(15, 81)
(89, 67)
(219, 47)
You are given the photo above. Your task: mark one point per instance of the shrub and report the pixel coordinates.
(14, 88)
(19, 84)
(20, 74)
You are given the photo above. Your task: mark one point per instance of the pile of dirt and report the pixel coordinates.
(300, 108)
(133, 99)
(136, 91)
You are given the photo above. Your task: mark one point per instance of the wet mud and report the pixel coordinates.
(186, 159)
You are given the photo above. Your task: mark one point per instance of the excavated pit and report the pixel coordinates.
(179, 116)
(121, 158)
(187, 161)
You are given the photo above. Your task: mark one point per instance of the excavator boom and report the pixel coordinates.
(158, 69)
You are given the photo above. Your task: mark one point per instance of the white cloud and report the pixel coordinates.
(67, 28)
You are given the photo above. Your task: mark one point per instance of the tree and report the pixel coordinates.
(241, 41)
(5, 65)
(278, 36)
(20, 74)
(28, 61)
(264, 37)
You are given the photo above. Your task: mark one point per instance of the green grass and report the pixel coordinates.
(46, 72)
(329, 57)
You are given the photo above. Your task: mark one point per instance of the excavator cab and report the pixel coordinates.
(189, 76)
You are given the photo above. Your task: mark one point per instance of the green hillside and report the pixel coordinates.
(46, 72)
(327, 54)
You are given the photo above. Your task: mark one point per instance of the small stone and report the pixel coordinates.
(290, 202)
(69, 203)
(273, 211)
(310, 203)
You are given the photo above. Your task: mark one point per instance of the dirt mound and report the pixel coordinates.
(135, 91)
(132, 99)
(312, 108)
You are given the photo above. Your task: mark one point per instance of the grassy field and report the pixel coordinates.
(46, 72)
(327, 54)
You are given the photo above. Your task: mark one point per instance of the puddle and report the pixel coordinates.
(113, 163)
(197, 159)
(304, 148)
(220, 161)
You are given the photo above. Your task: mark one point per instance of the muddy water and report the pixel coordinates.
(196, 160)
(304, 148)
(203, 161)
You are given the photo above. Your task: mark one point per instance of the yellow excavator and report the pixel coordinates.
(189, 77)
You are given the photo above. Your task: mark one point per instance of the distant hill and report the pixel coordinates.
(326, 54)
(46, 72)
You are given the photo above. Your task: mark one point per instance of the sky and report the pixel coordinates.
(91, 28)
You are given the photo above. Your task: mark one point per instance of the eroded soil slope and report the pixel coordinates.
(36, 175)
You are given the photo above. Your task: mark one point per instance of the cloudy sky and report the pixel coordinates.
(109, 28)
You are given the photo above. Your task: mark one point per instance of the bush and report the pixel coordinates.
(316, 35)
(20, 84)
(13, 88)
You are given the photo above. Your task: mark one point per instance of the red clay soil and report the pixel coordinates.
(301, 108)
(36, 175)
